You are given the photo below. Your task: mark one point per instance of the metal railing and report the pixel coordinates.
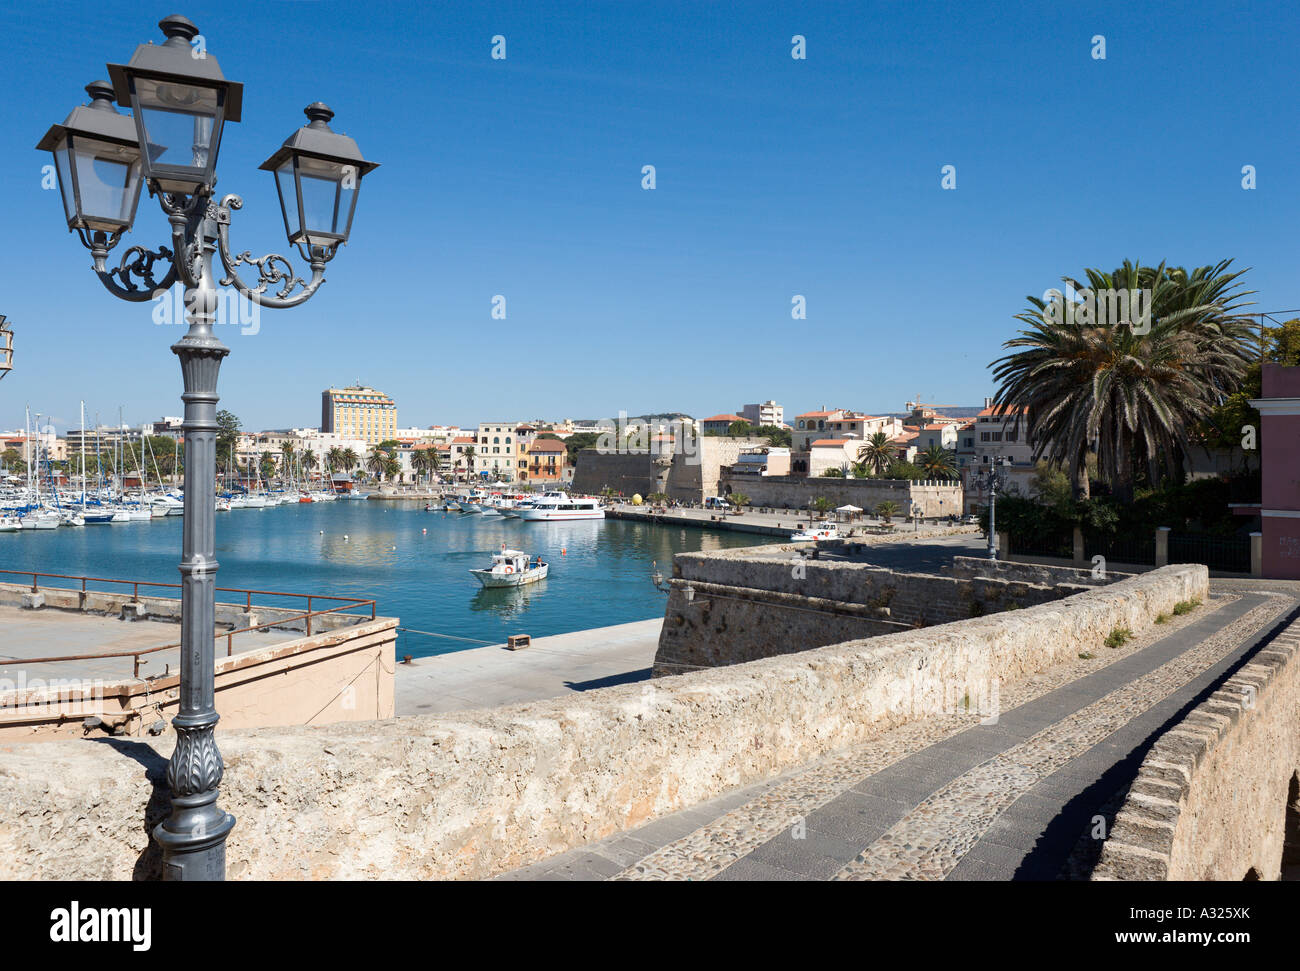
(1231, 554)
(348, 603)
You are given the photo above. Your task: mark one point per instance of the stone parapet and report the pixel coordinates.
(1218, 795)
(475, 793)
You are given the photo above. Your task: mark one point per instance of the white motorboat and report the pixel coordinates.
(811, 533)
(9, 524)
(170, 506)
(556, 506)
(511, 568)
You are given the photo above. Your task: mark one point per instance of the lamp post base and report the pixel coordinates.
(196, 850)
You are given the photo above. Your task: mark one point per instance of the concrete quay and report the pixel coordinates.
(487, 677)
(779, 524)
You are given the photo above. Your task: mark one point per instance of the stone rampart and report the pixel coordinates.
(735, 606)
(936, 499)
(475, 793)
(1218, 795)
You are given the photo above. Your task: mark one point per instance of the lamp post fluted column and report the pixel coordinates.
(193, 837)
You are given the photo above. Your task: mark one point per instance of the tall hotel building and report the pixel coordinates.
(358, 412)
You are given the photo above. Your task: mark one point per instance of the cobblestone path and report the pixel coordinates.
(956, 796)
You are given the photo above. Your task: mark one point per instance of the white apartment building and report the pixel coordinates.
(999, 434)
(840, 423)
(766, 413)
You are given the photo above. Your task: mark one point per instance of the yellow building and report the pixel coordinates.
(359, 412)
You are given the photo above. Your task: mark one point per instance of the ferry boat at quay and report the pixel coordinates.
(554, 506)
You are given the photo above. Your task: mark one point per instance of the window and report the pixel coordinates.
(984, 436)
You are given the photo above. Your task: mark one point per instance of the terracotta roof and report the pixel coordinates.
(1007, 410)
(723, 418)
(817, 414)
(832, 442)
(463, 440)
(905, 437)
(546, 445)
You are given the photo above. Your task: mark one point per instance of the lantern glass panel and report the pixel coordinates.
(108, 182)
(288, 191)
(326, 203)
(62, 160)
(180, 123)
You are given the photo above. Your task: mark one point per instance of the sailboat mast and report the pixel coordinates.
(83, 454)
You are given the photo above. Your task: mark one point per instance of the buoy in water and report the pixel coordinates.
(563, 551)
(345, 535)
(423, 531)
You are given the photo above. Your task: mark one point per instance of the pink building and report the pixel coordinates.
(1279, 406)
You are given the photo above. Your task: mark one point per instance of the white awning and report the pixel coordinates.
(848, 509)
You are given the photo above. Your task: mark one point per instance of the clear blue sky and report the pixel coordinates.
(775, 177)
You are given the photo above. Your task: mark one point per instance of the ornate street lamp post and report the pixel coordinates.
(180, 104)
(994, 478)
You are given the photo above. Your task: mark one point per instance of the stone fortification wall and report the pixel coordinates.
(1218, 795)
(688, 478)
(936, 499)
(475, 793)
(739, 605)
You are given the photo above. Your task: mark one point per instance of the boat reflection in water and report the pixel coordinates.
(507, 601)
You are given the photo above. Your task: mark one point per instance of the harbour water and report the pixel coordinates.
(413, 563)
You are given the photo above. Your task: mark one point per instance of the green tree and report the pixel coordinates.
(425, 460)
(823, 505)
(739, 500)
(938, 462)
(899, 469)
(740, 429)
(1132, 398)
(887, 510)
(267, 465)
(878, 453)
(377, 462)
(227, 437)
(833, 473)
(776, 436)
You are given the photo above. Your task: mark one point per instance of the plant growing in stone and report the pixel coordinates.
(1118, 637)
(1185, 607)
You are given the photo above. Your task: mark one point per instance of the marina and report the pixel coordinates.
(416, 564)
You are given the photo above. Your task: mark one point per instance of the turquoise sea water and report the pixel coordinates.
(414, 563)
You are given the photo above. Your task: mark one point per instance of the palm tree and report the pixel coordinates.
(886, 510)
(1132, 398)
(468, 455)
(938, 463)
(877, 453)
(425, 460)
(377, 462)
(308, 457)
(287, 452)
(349, 460)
